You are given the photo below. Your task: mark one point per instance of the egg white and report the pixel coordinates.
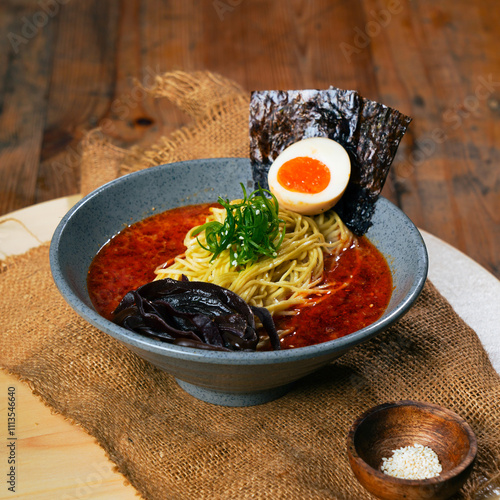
(331, 154)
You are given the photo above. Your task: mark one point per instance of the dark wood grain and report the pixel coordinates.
(65, 66)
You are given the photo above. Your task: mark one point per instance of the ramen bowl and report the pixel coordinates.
(226, 378)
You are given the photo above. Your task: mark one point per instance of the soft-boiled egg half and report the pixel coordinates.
(310, 176)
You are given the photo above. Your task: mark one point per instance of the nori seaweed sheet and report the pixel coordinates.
(369, 131)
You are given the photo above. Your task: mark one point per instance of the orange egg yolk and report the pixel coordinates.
(304, 175)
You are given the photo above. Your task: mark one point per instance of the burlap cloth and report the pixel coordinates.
(172, 446)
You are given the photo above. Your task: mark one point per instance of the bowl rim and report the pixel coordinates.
(425, 405)
(211, 356)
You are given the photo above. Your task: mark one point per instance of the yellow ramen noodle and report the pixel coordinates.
(278, 283)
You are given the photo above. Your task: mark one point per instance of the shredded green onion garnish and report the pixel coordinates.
(250, 230)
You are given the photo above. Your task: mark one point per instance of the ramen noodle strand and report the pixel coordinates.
(280, 283)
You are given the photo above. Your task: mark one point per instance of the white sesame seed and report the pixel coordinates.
(412, 462)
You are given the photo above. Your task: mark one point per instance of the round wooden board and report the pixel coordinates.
(57, 460)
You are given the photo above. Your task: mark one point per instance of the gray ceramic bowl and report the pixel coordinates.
(234, 378)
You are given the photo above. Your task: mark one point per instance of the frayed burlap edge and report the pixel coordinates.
(219, 108)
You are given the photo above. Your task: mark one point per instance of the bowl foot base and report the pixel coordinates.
(234, 398)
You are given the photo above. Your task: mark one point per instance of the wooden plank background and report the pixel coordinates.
(66, 65)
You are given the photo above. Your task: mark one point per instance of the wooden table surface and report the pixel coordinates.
(67, 65)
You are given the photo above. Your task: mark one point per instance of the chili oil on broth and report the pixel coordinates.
(359, 278)
(360, 283)
(129, 259)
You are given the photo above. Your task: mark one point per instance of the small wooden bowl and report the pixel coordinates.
(385, 428)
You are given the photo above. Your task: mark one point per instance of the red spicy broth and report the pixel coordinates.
(361, 277)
